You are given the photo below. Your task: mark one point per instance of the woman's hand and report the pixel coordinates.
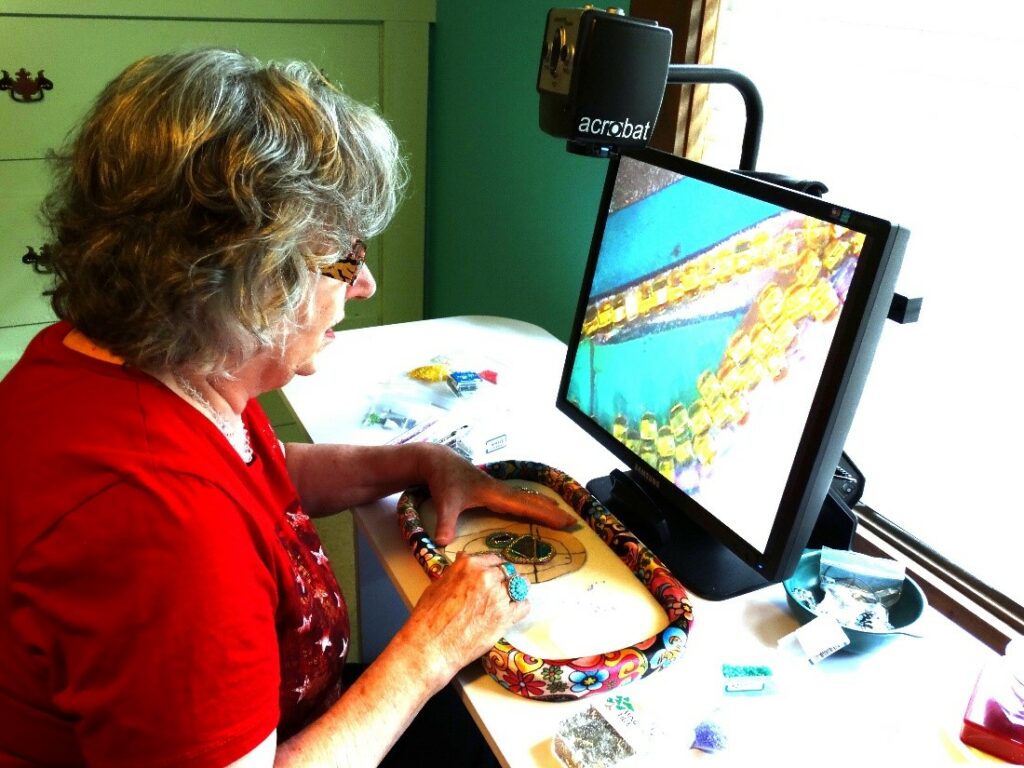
(463, 613)
(456, 621)
(456, 485)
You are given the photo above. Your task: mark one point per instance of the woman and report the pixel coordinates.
(165, 599)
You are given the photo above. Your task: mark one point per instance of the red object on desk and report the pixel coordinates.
(986, 725)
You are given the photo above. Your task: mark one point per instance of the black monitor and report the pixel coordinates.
(723, 334)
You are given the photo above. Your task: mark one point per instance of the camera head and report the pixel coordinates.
(602, 78)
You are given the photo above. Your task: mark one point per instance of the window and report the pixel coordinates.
(908, 111)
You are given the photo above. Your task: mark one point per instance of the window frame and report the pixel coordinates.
(984, 612)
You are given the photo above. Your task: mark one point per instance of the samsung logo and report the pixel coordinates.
(616, 129)
(651, 477)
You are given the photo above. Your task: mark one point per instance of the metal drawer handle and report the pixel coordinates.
(23, 87)
(31, 257)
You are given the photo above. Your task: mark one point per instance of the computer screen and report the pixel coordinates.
(723, 333)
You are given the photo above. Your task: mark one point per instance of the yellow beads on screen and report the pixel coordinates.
(648, 426)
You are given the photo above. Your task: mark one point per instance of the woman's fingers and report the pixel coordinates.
(469, 608)
(531, 505)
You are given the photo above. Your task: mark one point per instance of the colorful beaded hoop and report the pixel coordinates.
(568, 679)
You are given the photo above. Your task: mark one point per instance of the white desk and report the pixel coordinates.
(901, 705)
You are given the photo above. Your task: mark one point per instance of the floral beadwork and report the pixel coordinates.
(568, 679)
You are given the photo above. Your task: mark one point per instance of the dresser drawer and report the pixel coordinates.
(80, 55)
(23, 184)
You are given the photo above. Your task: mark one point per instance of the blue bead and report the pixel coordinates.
(709, 736)
(518, 588)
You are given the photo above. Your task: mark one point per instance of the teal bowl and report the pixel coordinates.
(905, 612)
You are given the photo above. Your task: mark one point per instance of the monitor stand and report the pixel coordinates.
(705, 566)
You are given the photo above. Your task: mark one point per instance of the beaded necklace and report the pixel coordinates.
(237, 436)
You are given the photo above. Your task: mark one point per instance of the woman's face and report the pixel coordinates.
(275, 368)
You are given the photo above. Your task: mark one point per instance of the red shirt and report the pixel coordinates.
(161, 602)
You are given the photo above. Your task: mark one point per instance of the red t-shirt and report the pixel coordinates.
(161, 602)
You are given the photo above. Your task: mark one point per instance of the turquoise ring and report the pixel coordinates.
(509, 570)
(518, 587)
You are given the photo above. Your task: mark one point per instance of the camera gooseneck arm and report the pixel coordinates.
(686, 74)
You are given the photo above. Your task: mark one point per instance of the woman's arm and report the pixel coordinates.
(456, 620)
(331, 478)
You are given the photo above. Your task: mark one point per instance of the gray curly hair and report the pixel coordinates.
(200, 194)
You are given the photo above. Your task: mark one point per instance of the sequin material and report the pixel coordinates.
(568, 679)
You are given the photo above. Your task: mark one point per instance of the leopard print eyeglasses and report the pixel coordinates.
(347, 268)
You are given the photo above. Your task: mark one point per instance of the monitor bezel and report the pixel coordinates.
(831, 413)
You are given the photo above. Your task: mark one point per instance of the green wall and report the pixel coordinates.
(510, 213)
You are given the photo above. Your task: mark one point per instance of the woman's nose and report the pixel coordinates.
(364, 287)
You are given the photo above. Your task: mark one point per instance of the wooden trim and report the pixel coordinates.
(684, 110)
(949, 593)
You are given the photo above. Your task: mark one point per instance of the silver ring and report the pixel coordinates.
(517, 586)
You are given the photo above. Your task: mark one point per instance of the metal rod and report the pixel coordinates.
(683, 74)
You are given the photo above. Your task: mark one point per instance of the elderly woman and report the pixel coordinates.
(164, 598)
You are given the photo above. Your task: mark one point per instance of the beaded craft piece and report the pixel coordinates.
(568, 679)
(526, 549)
(540, 557)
